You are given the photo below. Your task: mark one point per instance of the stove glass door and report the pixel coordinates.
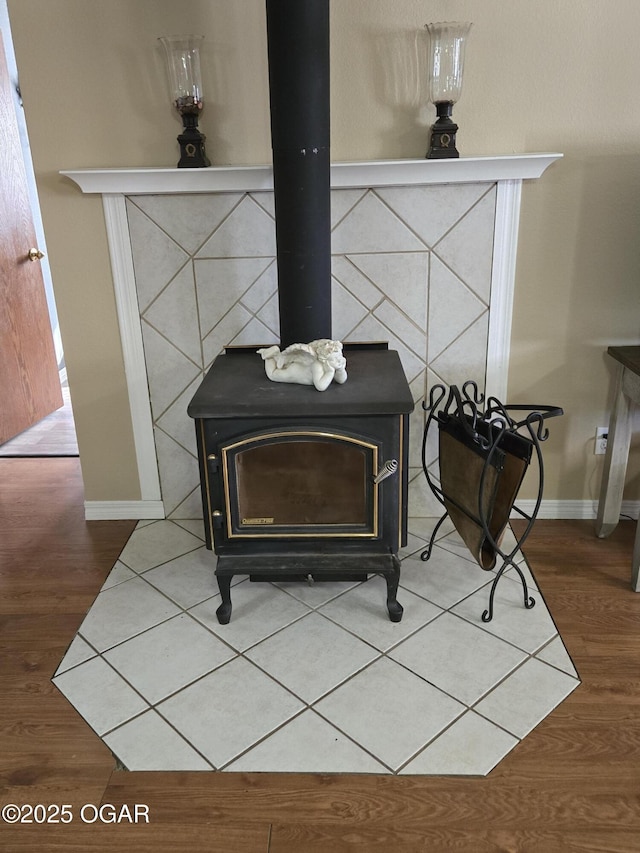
(301, 484)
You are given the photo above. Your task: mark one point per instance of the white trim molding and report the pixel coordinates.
(115, 214)
(585, 510)
(575, 509)
(377, 173)
(112, 510)
(503, 273)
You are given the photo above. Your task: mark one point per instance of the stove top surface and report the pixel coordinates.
(236, 386)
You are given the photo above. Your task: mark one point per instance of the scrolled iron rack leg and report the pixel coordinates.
(508, 559)
(534, 423)
(529, 601)
(427, 551)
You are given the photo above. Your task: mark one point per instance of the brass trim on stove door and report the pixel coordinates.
(401, 474)
(321, 531)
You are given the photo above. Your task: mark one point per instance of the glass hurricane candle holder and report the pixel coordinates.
(447, 43)
(182, 54)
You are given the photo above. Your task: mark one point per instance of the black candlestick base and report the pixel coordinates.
(192, 152)
(443, 134)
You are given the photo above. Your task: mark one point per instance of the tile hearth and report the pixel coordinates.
(311, 678)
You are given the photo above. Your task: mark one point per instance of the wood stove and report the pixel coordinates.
(301, 485)
(296, 483)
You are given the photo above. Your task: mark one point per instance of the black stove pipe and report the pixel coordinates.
(298, 51)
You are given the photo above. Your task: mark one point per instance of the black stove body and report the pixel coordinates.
(304, 485)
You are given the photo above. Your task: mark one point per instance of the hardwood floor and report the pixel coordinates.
(572, 785)
(54, 435)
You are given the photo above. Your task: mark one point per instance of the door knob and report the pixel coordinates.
(35, 255)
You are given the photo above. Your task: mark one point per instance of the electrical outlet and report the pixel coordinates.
(602, 433)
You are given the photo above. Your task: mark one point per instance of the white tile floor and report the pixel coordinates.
(312, 678)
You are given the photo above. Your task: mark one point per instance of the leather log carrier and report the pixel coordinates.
(480, 475)
(484, 455)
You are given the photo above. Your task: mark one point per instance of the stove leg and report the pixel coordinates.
(224, 611)
(393, 578)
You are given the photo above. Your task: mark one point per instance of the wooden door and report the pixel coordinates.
(29, 379)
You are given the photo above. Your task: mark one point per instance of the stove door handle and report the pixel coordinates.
(389, 468)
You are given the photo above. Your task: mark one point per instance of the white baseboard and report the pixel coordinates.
(113, 510)
(574, 509)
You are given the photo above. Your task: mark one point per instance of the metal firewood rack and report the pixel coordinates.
(487, 432)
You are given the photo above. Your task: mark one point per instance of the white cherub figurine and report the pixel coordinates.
(316, 363)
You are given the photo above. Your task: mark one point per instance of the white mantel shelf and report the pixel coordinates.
(377, 173)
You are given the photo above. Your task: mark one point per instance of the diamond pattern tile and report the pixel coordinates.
(248, 231)
(225, 331)
(444, 206)
(100, 695)
(148, 743)
(458, 362)
(226, 712)
(189, 506)
(174, 314)
(445, 578)
(124, 610)
(255, 330)
(78, 652)
(308, 744)
(118, 575)
(312, 656)
(157, 258)
(527, 634)
(342, 201)
(169, 370)
(451, 654)
(402, 277)
(526, 697)
(169, 656)
(446, 325)
(262, 288)
(411, 336)
(259, 610)
(186, 580)
(222, 282)
(362, 610)
(390, 711)
(472, 746)
(178, 475)
(311, 678)
(347, 312)
(190, 218)
(348, 274)
(155, 543)
(411, 266)
(174, 424)
(468, 248)
(373, 329)
(371, 226)
(556, 654)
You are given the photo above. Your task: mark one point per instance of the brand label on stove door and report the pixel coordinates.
(257, 520)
